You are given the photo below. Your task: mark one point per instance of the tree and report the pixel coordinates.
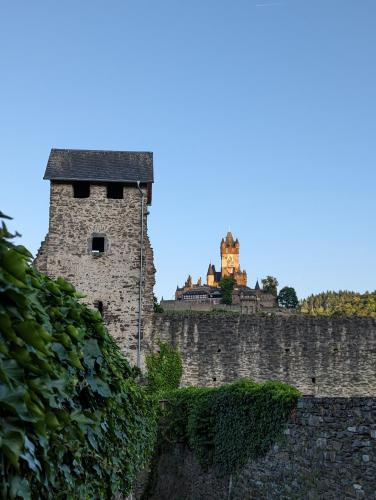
(269, 285)
(287, 298)
(227, 287)
(157, 306)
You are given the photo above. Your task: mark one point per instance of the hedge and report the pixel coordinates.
(73, 422)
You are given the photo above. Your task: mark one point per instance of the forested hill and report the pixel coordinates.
(342, 302)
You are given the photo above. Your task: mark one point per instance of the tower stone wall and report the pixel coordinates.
(110, 279)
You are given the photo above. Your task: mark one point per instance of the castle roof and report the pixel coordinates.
(229, 238)
(102, 166)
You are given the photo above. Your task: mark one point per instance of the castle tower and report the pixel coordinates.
(229, 255)
(97, 237)
(210, 276)
(230, 266)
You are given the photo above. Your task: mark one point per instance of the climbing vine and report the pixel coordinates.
(73, 422)
(229, 425)
(164, 368)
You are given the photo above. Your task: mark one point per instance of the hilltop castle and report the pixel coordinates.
(202, 297)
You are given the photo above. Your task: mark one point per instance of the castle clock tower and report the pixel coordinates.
(229, 256)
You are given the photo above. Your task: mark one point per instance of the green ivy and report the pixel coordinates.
(164, 368)
(229, 425)
(73, 422)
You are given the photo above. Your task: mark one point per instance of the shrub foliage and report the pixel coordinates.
(287, 298)
(73, 422)
(229, 425)
(164, 368)
(227, 289)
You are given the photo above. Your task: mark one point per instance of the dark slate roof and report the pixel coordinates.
(91, 165)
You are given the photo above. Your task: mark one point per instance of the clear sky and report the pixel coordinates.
(261, 115)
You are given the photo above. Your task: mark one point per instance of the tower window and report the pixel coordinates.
(97, 244)
(115, 191)
(81, 189)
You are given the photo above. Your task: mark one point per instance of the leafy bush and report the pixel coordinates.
(157, 306)
(227, 288)
(229, 425)
(73, 422)
(164, 368)
(269, 285)
(287, 298)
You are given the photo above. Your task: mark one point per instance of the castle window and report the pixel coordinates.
(115, 191)
(97, 244)
(81, 189)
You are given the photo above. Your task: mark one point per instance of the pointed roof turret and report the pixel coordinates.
(210, 269)
(188, 283)
(229, 238)
(257, 286)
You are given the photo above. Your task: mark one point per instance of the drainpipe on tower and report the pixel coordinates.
(141, 277)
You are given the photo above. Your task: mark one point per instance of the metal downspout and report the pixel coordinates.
(141, 278)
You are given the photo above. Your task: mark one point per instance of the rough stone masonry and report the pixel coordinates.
(94, 236)
(328, 451)
(318, 355)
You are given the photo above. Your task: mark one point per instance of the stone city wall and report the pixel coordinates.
(318, 355)
(328, 451)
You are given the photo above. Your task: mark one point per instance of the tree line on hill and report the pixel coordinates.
(328, 303)
(343, 302)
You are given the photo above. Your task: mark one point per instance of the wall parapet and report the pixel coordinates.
(319, 355)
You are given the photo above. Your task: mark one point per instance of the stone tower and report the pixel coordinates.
(97, 237)
(210, 275)
(229, 255)
(230, 266)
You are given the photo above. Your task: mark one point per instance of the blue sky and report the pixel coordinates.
(261, 116)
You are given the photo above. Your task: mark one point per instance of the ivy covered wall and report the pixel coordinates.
(328, 450)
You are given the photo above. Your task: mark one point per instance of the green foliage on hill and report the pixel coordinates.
(164, 368)
(229, 425)
(340, 303)
(227, 287)
(73, 422)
